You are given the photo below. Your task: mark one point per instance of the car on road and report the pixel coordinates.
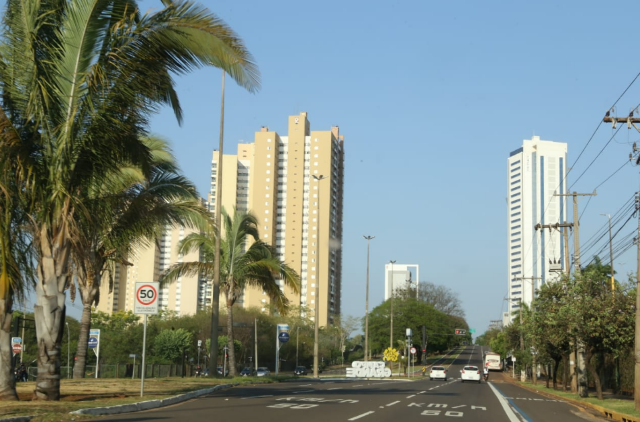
(263, 372)
(300, 370)
(471, 373)
(226, 371)
(438, 372)
(247, 372)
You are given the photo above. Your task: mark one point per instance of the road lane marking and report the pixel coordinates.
(335, 388)
(257, 397)
(359, 385)
(303, 391)
(361, 416)
(505, 405)
(422, 392)
(413, 395)
(395, 402)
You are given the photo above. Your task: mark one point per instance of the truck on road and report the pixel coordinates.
(493, 361)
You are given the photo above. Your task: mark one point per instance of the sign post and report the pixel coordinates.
(282, 336)
(94, 343)
(16, 345)
(146, 304)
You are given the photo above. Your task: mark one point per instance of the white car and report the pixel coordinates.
(438, 372)
(262, 372)
(471, 373)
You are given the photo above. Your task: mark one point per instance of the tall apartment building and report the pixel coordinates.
(535, 173)
(273, 178)
(399, 277)
(185, 296)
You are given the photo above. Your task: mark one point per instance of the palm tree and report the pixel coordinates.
(240, 266)
(123, 211)
(79, 80)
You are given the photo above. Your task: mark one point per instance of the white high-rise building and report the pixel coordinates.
(535, 174)
(400, 277)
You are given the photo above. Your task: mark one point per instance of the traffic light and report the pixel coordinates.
(460, 332)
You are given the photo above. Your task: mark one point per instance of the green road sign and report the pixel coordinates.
(472, 330)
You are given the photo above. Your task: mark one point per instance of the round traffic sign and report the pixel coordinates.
(17, 348)
(283, 337)
(146, 294)
(93, 342)
(413, 350)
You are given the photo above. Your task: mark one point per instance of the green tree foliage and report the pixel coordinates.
(171, 344)
(412, 313)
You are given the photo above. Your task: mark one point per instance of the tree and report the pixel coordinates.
(79, 80)
(125, 210)
(171, 344)
(241, 267)
(441, 298)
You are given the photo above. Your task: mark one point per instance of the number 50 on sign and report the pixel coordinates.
(146, 298)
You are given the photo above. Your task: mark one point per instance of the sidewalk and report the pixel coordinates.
(608, 408)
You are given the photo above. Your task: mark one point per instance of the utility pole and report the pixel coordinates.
(366, 314)
(636, 347)
(581, 367)
(391, 305)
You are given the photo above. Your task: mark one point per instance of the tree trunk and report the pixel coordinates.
(565, 370)
(7, 378)
(594, 373)
(49, 311)
(80, 365)
(556, 364)
(232, 353)
(88, 295)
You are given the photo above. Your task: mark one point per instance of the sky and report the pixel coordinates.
(431, 97)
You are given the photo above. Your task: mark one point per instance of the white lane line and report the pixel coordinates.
(413, 395)
(505, 405)
(336, 388)
(257, 397)
(304, 385)
(303, 391)
(395, 402)
(359, 385)
(361, 416)
(422, 392)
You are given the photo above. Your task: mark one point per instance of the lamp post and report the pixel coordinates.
(366, 314)
(68, 350)
(297, 338)
(613, 285)
(317, 291)
(391, 298)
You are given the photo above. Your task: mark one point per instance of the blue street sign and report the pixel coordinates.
(93, 342)
(283, 337)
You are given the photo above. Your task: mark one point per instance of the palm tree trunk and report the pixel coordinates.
(7, 379)
(50, 312)
(232, 353)
(80, 364)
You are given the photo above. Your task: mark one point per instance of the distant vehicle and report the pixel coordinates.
(493, 361)
(263, 372)
(438, 372)
(300, 370)
(470, 373)
(247, 372)
(226, 372)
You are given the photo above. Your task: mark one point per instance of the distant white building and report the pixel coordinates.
(535, 173)
(398, 277)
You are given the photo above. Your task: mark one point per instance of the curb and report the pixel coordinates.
(607, 413)
(136, 407)
(18, 419)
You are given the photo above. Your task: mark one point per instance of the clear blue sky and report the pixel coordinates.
(431, 97)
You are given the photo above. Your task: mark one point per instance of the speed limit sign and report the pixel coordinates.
(146, 298)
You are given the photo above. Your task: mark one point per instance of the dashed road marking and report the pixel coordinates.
(413, 395)
(361, 416)
(303, 391)
(395, 402)
(335, 388)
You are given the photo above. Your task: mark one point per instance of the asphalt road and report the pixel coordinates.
(310, 400)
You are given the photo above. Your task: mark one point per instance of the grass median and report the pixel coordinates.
(87, 393)
(620, 405)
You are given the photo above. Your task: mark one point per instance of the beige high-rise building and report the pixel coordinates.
(185, 296)
(299, 215)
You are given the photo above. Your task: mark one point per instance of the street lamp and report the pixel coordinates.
(391, 298)
(317, 292)
(68, 351)
(297, 338)
(613, 285)
(366, 314)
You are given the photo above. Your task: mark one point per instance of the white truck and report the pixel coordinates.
(493, 361)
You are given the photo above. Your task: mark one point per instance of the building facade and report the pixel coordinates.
(536, 175)
(399, 277)
(293, 184)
